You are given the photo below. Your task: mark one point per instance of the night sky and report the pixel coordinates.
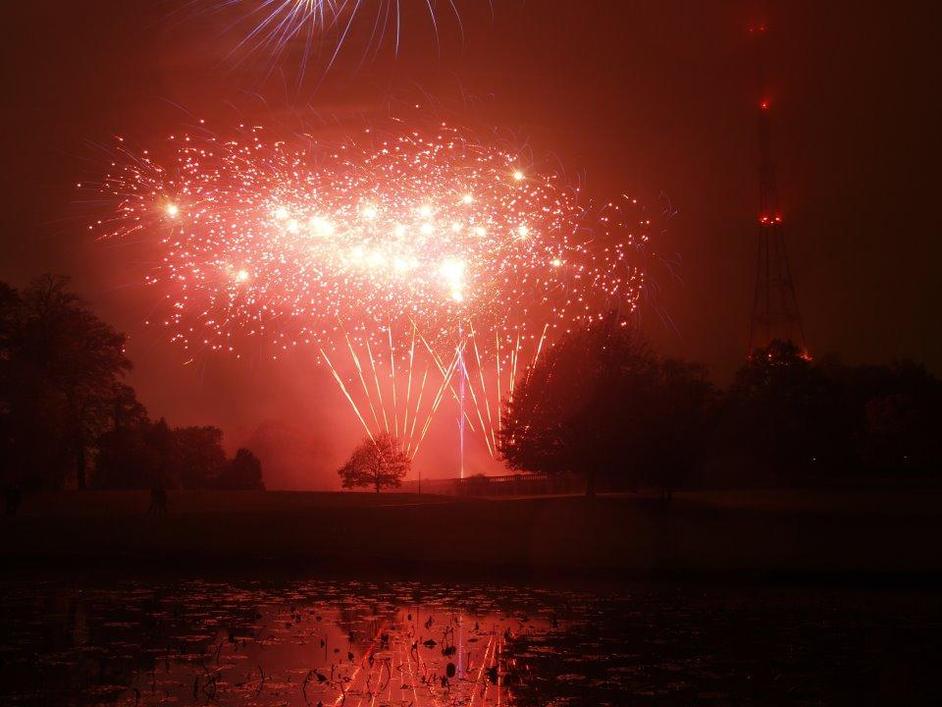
(652, 98)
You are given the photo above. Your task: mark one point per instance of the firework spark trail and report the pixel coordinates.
(347, 394)
(402, 409)
(539, 347)
(438, 396)
(405, 422)
(408, 657)
(418, 406)
(436, 400)
(365, 658)
(515, 354)
(392, 373)
(494, 664)
(484, 396)
(272, 27)
(375, 391)
(404, 226)
(477, 407)
(500, 404)
(379, 390)
(485, 428)
(477, 680)
(451, 388)
(500, 650)
(366, 390)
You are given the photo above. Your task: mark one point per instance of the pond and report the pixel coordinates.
(307, 641)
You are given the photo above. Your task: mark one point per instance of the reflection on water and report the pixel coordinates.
(310, 642)
(351, 643)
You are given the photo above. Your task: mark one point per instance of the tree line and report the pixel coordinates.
(68, 419)
(602, 404)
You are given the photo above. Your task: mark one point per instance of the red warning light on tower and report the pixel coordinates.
(775, 312)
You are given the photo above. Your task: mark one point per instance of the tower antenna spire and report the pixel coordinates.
(775, 313)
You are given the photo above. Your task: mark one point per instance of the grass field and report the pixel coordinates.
(757, 531)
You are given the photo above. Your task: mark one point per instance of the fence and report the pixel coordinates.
(506, 485)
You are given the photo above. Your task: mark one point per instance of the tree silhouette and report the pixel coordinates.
(9, 315)
(60, 366)
(379, 462)
(65, 412)
(600, 403)
(902, 417)
(243, 472)
(144, 455)
(886, 417)
(678, 424)
(127, 459)
(785, 411)
(197, 457)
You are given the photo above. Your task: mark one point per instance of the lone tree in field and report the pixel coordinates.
(379, 462)
(600, 403)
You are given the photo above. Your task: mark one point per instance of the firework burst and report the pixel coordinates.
(271, 27)
(417, 252)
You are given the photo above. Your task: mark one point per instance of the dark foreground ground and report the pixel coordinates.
(356, 599)
(869, 531)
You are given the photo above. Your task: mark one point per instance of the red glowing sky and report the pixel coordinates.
(653, 98)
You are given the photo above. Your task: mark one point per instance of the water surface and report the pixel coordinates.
(305, 641)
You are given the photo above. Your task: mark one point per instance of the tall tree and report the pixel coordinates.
(61, 364)
(601, 404)
(380, 462)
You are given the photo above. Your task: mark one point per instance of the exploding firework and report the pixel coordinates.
(437, 263)
(270, 27)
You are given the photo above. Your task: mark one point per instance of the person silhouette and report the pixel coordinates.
(158, 500)
(12, 497)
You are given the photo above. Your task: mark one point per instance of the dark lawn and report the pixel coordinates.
(762, 531)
